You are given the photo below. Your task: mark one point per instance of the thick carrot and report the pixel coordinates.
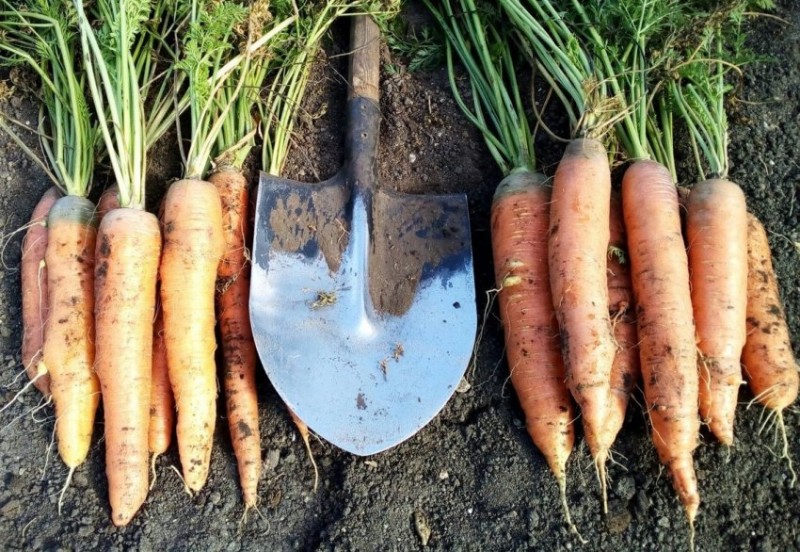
(660, 274)
(716, 234)
(193, 246)
(128, 250)
(520, 215)
(33, 271)
(625, 371)
(578, 253)
(69, 340)
(769, 363)
(238, 348)
(162, 403)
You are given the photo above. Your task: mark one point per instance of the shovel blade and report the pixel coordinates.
(363, 311)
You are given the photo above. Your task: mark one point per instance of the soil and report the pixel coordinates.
(472, 477)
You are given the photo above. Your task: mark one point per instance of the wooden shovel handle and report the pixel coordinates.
(365, 58)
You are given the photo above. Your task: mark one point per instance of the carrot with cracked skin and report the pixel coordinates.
(716, 234)
(769, 363)
(520, 215)
(33, 273)
(668, 354)
(578, 239)
(238, 348)
(625, 371)
(193, 247)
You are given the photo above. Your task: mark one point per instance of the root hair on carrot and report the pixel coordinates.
(64, 489)
(491, 297)
(180, 476)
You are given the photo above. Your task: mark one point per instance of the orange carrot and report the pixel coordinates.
(162, 404)
(578, 252)
(621, 307)
(69, 341)
(193, 246)
(305, 435)
(238, 348)
(109, 200)
(769, 363)
(716, 233)
(520, 215)
(34, 292)
(128, 250)
(660, 274)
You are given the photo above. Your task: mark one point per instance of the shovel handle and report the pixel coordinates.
(365, 59)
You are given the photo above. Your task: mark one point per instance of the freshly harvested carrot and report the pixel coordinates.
(660, 275)
(238, 348)
(520, 217)
(33, 271)
(162, 403)
(128, 250)
(305, 435)
(716, 233)
(109, 200)
(193, 247)
(69, 339)
(578, 253)
(625, 371)
(769, 363)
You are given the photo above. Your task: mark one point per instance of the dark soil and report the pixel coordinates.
(473, 473)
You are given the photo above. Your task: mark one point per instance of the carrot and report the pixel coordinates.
(660, 275)
(578, 252)
(305, 435)
(162, 403)
(717, 247)
(193, 246)
(520, 215)
(69, 340)
(109, 200)
(769, 363)
(34, 292)
(625, 371)
(238, 348)
(128, 249)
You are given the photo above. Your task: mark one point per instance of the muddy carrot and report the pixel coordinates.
(34, 292)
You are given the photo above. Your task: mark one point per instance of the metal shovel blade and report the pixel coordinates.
(362, 300)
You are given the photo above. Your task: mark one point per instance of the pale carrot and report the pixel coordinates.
(33, 273)
(660, 275)
(520, 215)
(716, 234)
(162, 403)
(69, 340)
(578, 252)
(193, 246)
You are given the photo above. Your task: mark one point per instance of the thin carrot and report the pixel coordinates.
(660, 274)
(769, 363)
(34, 291)
(193, 246)
(305, 435)
(625, 371)
(578, 253)
(69, 340)
(162, 403)
(716, 233)
(238, 348)
(520, 218)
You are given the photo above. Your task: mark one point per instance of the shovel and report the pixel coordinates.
(362, 299)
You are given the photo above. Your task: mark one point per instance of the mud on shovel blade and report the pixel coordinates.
(362, 300)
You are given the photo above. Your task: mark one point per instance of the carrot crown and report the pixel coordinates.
(483, 47)
(43, 36)
(114, 85)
